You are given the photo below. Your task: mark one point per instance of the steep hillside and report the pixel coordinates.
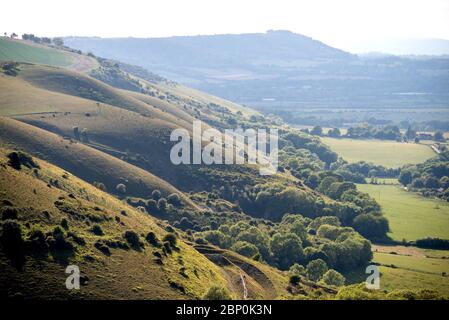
(74, 223)
(28, 51)
(86, 162)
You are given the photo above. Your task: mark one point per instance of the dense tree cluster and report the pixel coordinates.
(430, 178)
(302, 245)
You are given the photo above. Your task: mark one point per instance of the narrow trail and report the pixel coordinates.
(220, 258)
(245, 290)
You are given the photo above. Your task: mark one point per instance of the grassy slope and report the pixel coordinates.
(116, 128)
(390, 154)
(84, 161)
(125, 274)
(413, 272)
(206, 98)
(30, 52)
(411, 216)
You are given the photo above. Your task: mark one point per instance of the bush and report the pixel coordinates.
(11, 235)
(58, 241)
(96, 229)
(151, 206)
(162, 204)
(121, 188)
(37, 241)
(12, 242)
(174, 199)
(171, 238)
(333, 278)
(14, 160)
(152, 239)
(167, 247)
(217, 293)
(133, 239)
(295, 279)
(156, 195)
(102, 247)
(65, 224)
(8, 213)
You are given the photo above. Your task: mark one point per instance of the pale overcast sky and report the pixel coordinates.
(346, 24)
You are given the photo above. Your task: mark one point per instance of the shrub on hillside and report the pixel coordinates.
(333, 278)
(174, 199)
(245, 249)
(316, 269)
(8, 212)
(121, 188)
(294, 279)
(97, 230)
(152, 239)
(171, 238)
(217, 293)
(65, 224)
(156, 194)
(162, 205)
(133, 239)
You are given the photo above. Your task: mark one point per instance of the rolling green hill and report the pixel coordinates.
(30, 52)
(113, 266)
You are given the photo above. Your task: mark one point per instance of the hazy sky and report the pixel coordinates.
(346, 24)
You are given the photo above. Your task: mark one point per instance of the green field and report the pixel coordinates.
(414, 272)
(17, 51)
(390, 154)
(410, 216)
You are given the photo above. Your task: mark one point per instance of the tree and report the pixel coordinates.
(162, 204)
(121, 188)
(431, 182)
(316, 269)
(174, 199)
(217, 238)
(297, 269)
(299, 229)
(76, 133)
(156, 194)
(410, 133)
(14, 35)
(256, 237)
(245, 249)
(371, 226)
(84, 137)
(405, 177)
(286, 249)
(335, 133)
(58, 42)
(333, 278)
(317, 131)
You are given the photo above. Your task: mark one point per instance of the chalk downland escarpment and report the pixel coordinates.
(120, 251)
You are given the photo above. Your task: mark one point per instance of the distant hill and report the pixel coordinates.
(283, 71)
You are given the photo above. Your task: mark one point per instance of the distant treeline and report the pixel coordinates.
(387, 132)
